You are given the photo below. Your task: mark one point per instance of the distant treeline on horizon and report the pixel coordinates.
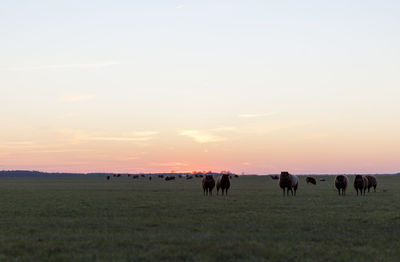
(28, 173)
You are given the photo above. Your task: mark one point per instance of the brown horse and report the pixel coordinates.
(341, 183)
(208, 184)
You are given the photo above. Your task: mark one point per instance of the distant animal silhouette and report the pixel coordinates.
(168, 178)
(311, 180)
(289, 182)
(341, 183)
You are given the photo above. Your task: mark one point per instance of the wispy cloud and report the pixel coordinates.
(224, 129)
(73, 140)
(224, 133)
(145, 133)
(76, 98)
(80, 136)
(139, 136)
(71, 66)
(17, 144)
(255, 115)
(111, 138)
(61, 66)
(171, 164)
(179, 6)
(127, 158)
(202, 136)
(270, 127)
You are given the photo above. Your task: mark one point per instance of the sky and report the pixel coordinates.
(254, 87)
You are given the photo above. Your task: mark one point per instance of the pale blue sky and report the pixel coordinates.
(202, 69)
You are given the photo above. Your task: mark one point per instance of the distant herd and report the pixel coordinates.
(361, 183)
(287, 182)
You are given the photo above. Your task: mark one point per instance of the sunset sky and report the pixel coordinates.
(155, 86)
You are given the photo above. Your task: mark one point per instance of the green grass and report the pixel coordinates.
(92, 219)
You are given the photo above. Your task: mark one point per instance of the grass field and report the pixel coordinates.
(92, 219)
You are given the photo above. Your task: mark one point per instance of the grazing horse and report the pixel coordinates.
(341, 183)
(289, 182)
(371, 182)
(360, 183)
(208, 183)
(311, 180)
(168, 178)
(223, 183)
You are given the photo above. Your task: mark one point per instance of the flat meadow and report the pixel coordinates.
(125, 219)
